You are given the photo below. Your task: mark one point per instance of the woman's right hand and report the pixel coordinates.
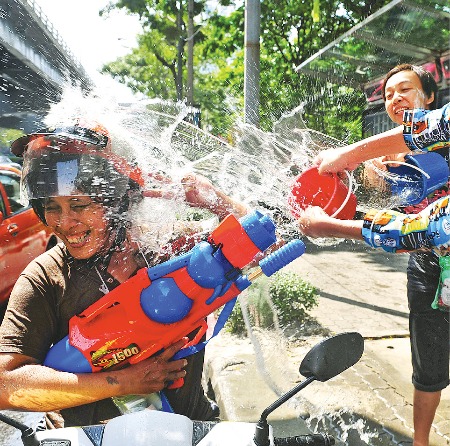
(374, 168)
(200, 192)
(393, 159)
(372, 175)
(155, 373)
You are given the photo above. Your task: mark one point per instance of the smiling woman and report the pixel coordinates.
(83, 190)
(79, 222)
(72, 177)
(424, 129)
(407, 87)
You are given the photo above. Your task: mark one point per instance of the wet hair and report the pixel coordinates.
(429, 85)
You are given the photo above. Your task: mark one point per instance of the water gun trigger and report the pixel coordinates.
(218, 292)
(176, 384)
(203, 327)
(197, 338)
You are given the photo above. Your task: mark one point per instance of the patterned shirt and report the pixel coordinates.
(397, 232)
(393, 231)
(427, 130)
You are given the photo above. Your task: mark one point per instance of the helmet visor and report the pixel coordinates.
(55, 174)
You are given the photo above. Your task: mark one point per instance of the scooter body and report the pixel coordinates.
(144, 428)
(149, 428)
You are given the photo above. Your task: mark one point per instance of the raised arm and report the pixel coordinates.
(422, 130)
(200, 192)
(351, 156)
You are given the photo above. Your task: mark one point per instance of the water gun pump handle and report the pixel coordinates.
(279, 259)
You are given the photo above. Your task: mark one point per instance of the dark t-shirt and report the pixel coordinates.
(53, 288)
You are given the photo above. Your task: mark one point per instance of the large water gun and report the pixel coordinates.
(160, 305)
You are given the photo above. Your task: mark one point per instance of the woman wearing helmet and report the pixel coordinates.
(82, 191)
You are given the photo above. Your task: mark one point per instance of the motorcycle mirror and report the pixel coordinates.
(324, 361)
(332, 356)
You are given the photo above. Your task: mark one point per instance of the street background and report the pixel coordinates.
(363, 290)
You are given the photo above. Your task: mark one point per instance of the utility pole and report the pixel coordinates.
(190, 55)
(180, 46)
(251, 64)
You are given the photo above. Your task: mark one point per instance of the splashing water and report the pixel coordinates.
(257, 169)
(377, 191)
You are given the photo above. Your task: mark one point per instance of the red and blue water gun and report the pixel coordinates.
(162, 304)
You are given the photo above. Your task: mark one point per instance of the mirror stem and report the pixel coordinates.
(286, 396)
(28, 434)
(261, 437)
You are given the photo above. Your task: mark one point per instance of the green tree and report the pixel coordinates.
(7, 136)
(164, 39)
(141, 72)
(291, 31)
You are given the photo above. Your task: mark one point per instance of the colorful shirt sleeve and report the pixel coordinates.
(427, 130)
(397, 232)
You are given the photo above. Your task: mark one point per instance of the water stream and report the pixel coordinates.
(256, 168)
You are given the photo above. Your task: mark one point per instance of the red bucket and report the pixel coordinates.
(325, 191)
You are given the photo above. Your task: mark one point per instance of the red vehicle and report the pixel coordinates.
(22, 235)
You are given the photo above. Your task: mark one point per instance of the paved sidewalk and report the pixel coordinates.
(370, 404)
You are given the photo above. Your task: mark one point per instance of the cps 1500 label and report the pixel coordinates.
(112, 357)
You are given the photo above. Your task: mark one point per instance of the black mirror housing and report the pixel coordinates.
(332, 356)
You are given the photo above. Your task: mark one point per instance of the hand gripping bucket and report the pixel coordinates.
(326, 191)
(417, 177)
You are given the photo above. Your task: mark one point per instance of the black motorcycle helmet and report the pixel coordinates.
(78, 159)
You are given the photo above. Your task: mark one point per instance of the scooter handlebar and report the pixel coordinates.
(202, 428)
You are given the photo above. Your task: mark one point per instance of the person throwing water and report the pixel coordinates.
(410, 94)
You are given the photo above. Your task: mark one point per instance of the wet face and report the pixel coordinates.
(404, 91)
(79, 222)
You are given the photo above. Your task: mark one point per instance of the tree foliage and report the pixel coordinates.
(164, 37)
(291, 31)
(141, 72)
